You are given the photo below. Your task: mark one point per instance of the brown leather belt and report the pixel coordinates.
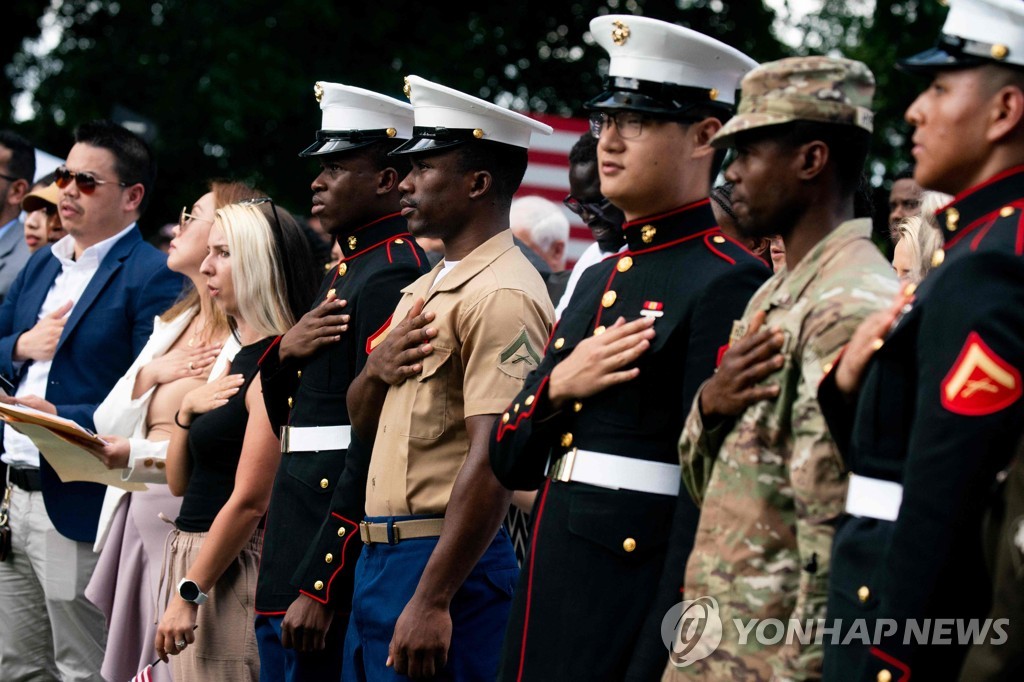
(391, 533)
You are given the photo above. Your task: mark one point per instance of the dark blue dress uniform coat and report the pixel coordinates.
(939, 412)
(605, 565)
(379, 260)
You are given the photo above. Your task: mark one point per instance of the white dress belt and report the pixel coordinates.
(873, 498)
(616, 472)
(315, 438)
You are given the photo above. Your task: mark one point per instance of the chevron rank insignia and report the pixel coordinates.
(519, 356)
(980, 381)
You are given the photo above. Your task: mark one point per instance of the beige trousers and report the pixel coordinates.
(48, 629)
(225, 646)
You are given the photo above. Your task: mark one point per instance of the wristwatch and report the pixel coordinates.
(190, 592)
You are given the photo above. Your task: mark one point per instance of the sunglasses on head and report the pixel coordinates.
(86, 182)
(263, 200)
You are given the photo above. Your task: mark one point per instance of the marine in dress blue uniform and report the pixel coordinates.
(320, 485)
(611, 534)
(939, 409)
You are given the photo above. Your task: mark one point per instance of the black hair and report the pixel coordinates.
(45, 181)
(905, 174)
(506, 164)
(847, 145)
(133, 159)
(378, 153)
(23, 155)
(584, 150)
(301, 274)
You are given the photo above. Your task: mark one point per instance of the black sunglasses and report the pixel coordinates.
(587, 209)
(86, 182)
(259, 201)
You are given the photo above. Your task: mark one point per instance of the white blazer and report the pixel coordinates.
(121, 415)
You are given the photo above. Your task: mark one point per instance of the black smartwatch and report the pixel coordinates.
(190, 592)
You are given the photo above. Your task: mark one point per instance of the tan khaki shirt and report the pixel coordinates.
(493, 317)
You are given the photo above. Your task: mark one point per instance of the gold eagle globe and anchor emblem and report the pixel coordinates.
(318, 91)
(620, 34)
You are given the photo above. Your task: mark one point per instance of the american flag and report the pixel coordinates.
(547, 174)
(144, 674)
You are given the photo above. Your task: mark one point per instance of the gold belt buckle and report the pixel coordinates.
(285, 444)
(562, 469)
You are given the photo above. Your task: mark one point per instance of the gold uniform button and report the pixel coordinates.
(863, 593)
(341, 532)
(1006, 211)
(515, 408)
(399, 241)
(559, 343)
(909, 289)
(566, 440)
(629, 544)
(505, 418)
(952, 219)
(577, 406)
(329, 558)
(999, 51)
(625, 263)
(884, 676)
(332, 292)
(608, 300)
(718, 239)
(938, 257)
(529, 400)
(599, 330)
(298, 375)
(290, 401)
(324, 483)
(342, 269)
(318, 585)
(827, 367)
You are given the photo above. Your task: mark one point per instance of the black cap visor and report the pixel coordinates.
(663, 99)
(334, 141)
(950, 52)
(427, 140)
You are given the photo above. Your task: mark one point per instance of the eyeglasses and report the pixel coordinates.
(185, 218)
(263, 200)
(588, 210)
(86, 181)
(629, 123)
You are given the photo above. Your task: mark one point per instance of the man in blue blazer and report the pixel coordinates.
(72, 323)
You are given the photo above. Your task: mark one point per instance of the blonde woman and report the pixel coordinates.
(918, 239)
(223, 453)
(190, 343)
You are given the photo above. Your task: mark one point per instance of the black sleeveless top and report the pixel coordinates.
(215, 446)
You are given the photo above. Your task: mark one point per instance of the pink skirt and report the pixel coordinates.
(126, 582)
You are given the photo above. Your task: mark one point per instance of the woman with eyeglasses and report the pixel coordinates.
(223, 454)
(41, 206)
(191, 344)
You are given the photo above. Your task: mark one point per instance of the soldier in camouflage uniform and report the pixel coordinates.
(755, 450)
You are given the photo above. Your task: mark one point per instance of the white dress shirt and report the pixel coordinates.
(590, 256)
(73, 279)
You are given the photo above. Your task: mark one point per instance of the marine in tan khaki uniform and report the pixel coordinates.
(435, 579)
(755, 450)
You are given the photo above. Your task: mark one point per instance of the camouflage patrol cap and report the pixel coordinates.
(821, 89)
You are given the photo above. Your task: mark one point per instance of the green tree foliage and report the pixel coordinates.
(228, 84)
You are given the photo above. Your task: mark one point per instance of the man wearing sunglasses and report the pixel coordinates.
(642, 331)
(17, 168)
(72, 323)
(602, 217)
(317, 501)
